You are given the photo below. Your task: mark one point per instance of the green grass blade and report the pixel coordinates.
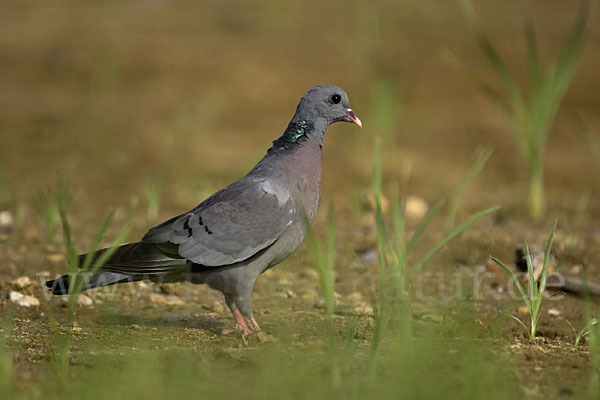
(547, 258)
(398, 210)
(454, 233)
(107, 254)
(571, 53)
(480, 158)
(495, 98)
(490, 52)
(96, 241)
(533, 288)
(516, 280)
(575, 333)
(533, 58)
(520, 322)
(324, 260)
(412, 243)
(330, 249)
(71, 251)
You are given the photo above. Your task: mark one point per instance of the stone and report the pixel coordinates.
(84, 300)
(554, 312)
(416, 208)
(7, 221)
(22, 282)
(55, 258)
(23, 300)
(523, 310)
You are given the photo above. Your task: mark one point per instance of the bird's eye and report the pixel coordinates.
(336, 98)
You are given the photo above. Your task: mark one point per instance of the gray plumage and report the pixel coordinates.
(236, 234)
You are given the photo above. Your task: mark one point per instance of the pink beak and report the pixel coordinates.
(353, 117)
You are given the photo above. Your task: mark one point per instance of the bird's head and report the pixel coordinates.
(329, 103)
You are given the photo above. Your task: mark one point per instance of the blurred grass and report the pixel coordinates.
(324, 262)
(465, 368)
(79, 271)
(7, 373)
(480, 158)
(153, 191)
(396, 266)
(531, 111)
(48, 212)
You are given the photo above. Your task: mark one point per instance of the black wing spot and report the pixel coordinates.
(200, 220)
(186, 226)
(207, 230)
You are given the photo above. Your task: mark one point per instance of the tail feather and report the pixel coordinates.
(129, 263)
(90, 281)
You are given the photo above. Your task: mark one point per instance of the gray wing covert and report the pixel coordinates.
(230, 226)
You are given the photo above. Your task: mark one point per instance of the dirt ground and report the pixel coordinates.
(116, 96)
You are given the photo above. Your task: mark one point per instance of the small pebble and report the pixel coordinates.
(416, 208)
(319, 304)
(368, 256)
(23, 300)
(84, 300)
(554, 312)
(55, 258)
(22, 282)
(523, 310)
(7, 221)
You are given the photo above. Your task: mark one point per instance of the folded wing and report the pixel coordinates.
(231, 225)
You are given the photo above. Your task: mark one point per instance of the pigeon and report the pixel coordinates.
(242, 230)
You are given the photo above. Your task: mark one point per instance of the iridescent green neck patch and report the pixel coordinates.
(296, 130)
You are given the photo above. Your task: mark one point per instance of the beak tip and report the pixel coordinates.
(355, 120)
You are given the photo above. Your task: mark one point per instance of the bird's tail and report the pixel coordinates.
(129, 263)
(89, 281)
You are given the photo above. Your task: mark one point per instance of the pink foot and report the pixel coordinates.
(262, 336)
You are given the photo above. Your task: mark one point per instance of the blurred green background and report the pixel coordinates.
(150, 106)
(111, 93)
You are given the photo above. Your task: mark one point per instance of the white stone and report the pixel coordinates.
(554, 312)
(6, 219)
(23, 300)
(84, 300)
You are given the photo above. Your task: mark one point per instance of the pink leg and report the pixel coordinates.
(240, 322)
